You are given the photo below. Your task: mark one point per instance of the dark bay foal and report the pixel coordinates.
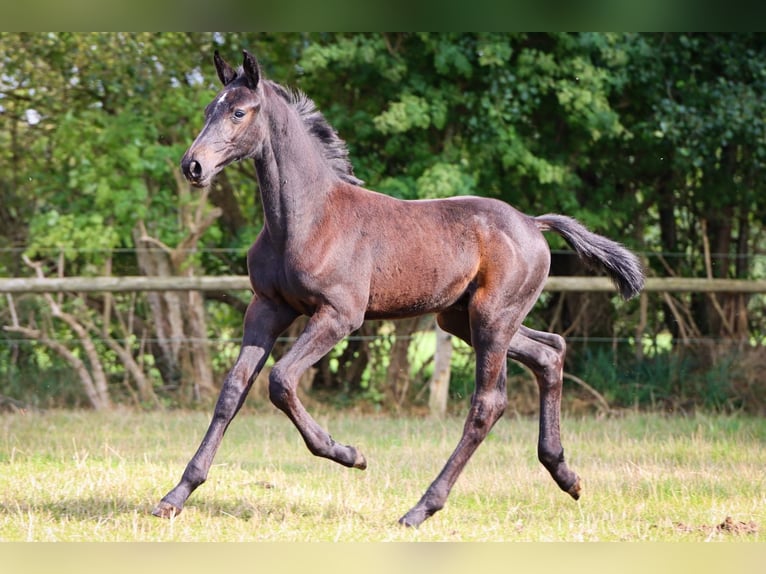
(340, 254)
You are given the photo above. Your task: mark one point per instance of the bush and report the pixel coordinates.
(713, 377)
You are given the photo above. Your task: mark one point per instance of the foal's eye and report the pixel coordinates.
(239, 114)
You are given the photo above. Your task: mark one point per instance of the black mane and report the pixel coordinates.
(335, 150)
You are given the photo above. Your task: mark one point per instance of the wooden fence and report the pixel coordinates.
(241, 282)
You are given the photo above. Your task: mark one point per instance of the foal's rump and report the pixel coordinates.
(435, 252)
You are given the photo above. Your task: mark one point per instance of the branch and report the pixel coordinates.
(196, 229)
(76, 363)
(599, 397)
(129, 362)
(709, 272)
(146, 238)
(12, 309)
(95, 383)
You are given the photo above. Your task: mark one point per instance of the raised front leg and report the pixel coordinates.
(263, 324)
(325, 328)
(544, 354)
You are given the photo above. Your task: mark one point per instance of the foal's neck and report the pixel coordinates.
(293, 177)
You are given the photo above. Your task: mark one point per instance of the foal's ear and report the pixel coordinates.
(225, 72)
(252, 70)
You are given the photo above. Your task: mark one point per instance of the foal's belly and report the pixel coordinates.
(410, 291)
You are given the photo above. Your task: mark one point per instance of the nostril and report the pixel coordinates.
(191, 168)
(195, 169)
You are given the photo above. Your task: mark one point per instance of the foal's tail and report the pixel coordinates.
(621, 265)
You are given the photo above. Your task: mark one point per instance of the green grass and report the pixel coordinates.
(77, 476)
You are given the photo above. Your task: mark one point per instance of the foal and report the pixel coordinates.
(340, 254)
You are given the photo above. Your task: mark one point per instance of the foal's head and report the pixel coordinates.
(233, 127)
(236, 125)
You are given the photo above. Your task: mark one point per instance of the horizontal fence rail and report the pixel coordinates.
(241, 282)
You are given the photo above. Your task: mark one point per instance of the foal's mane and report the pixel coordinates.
(334, 148)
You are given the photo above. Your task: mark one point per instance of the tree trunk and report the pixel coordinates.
(166, 308)
(182, 353)
(197, 360)
(725, 314)
(439, 384)
(181, 350)
(398, 372)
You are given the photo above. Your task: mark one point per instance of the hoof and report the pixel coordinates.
(360, 462)
(574, 490)
(165, 510)
(415, 517)
(408, 522)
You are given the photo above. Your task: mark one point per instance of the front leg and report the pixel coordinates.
(324, 330)
(264, 322)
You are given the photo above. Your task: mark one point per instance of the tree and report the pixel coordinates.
(654, 139)
(102, 121)
(692, 107)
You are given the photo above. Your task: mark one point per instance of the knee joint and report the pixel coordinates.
(278, 389)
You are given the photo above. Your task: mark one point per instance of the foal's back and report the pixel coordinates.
(424, 255)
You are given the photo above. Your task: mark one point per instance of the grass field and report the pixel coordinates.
(82, 476)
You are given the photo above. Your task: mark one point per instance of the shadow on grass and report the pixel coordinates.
(75, 508)
(102, 508)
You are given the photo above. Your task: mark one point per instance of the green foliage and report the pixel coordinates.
(667, 380)
(109, 130)
(444, 180)
(481, 104)
(654, 139)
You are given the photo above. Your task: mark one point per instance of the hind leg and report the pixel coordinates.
(487, 405)
(544, 354)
